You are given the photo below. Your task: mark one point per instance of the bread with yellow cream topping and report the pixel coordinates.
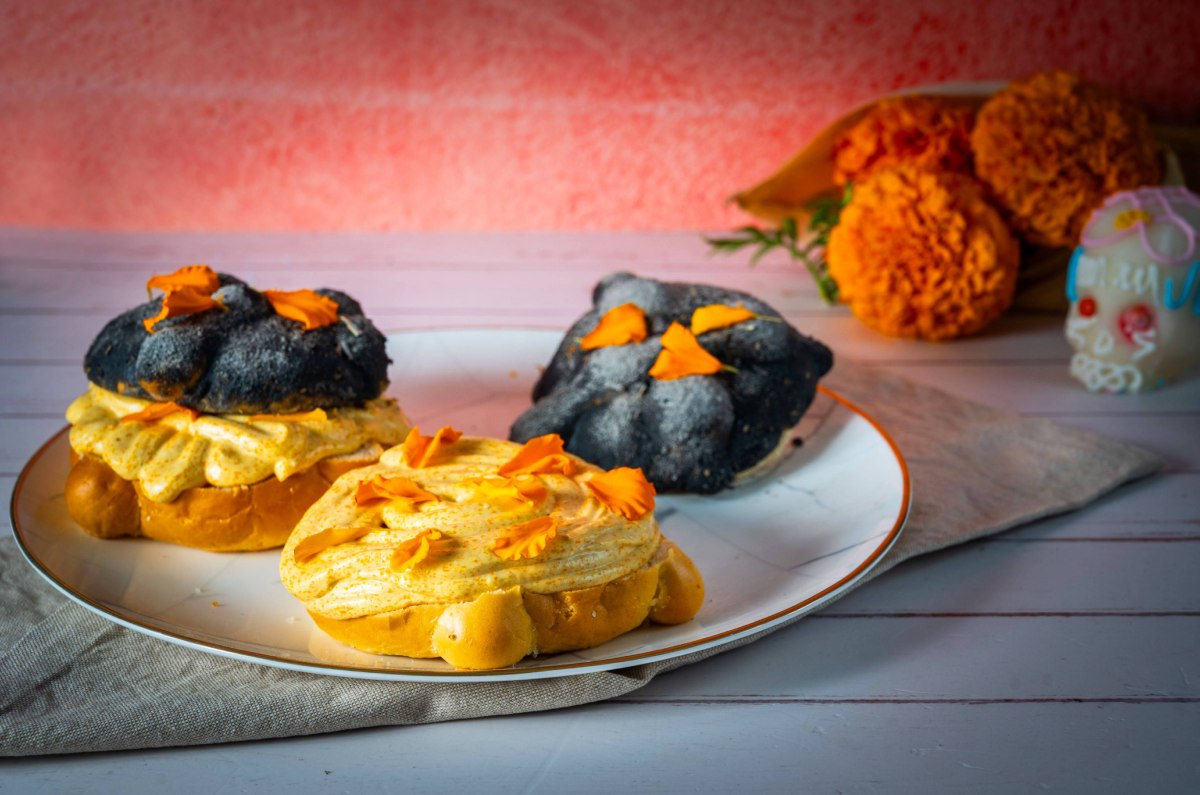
(482, 551)
(216, 414)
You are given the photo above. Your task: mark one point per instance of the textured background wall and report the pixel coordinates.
(496, 114)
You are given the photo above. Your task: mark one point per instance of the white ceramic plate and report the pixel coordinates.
(769, 550)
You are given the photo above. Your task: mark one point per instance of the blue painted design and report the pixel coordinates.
(1072, 269)
(1189, 288)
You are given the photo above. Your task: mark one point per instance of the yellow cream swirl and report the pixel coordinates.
(176, 453)
(594, 545)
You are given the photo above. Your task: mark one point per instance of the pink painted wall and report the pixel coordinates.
(496, 114)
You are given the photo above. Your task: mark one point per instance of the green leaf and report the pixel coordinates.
(825, 214)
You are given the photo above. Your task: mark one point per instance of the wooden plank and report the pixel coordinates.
(635, 747)
(1076, 526)
(1047, 388)
(1134, 576)
(22, 437)
(952, 658)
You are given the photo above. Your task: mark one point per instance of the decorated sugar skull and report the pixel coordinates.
(1134, 287)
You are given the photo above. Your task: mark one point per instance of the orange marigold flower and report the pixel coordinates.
(623, 490)
(929, 132)
(307, 307)
(201, 278)
(541, 455)
(156, 411)
(682, 355)
(525, 540)
(180, 301)
(922, 254)
(405, 493)
(317, 543)
(507, 493)
(711, 317)
(426, 544)
(620, 325)
(316, 415)
(1053, 147)
(420, 450)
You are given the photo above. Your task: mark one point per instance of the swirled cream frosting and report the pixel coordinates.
(341, 560)
(178, 452)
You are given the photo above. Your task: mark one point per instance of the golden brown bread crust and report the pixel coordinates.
(234, 519)
(499, 628)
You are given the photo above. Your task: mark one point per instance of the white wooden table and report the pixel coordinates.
(1062, 656)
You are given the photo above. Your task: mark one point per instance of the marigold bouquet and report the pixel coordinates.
(938, 189)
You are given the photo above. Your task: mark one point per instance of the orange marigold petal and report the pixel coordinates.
(507, 493)
(542, 455)
(156, 411)
(716, 316)
(316, 415)
(200, 278)
(426, 544)
(623, 490)
(525, 540)
(682, 355)
(318, 542)
(620, 325)
(378, 488)
(178, 302)
(307, 307)
(419, 450)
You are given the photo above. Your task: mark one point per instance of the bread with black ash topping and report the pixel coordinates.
(243, 358)
(694, 433)
(216, 414)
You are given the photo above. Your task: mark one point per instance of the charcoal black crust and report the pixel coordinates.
(692, 434)
(243, 359)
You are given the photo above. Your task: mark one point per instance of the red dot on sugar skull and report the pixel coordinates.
(1137, 319)
(1087, 306)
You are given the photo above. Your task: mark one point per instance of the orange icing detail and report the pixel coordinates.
(507, 493)
(682, 355)
(317, 543)
(623, 490)
(307, 307)
(156, 411)
(181, 301)
(420, 450)
(525, 540)
(618, 326)
(714, 316)
(316, 415)
(542, 455)
(1128, 218)
(398, 490)
(426, 544)
(200, 278)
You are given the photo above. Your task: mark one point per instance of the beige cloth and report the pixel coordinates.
(70, 681)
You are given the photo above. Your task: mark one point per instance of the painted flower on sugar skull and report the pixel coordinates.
(1134, 287)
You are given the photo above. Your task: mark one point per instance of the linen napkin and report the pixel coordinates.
(71, 681)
